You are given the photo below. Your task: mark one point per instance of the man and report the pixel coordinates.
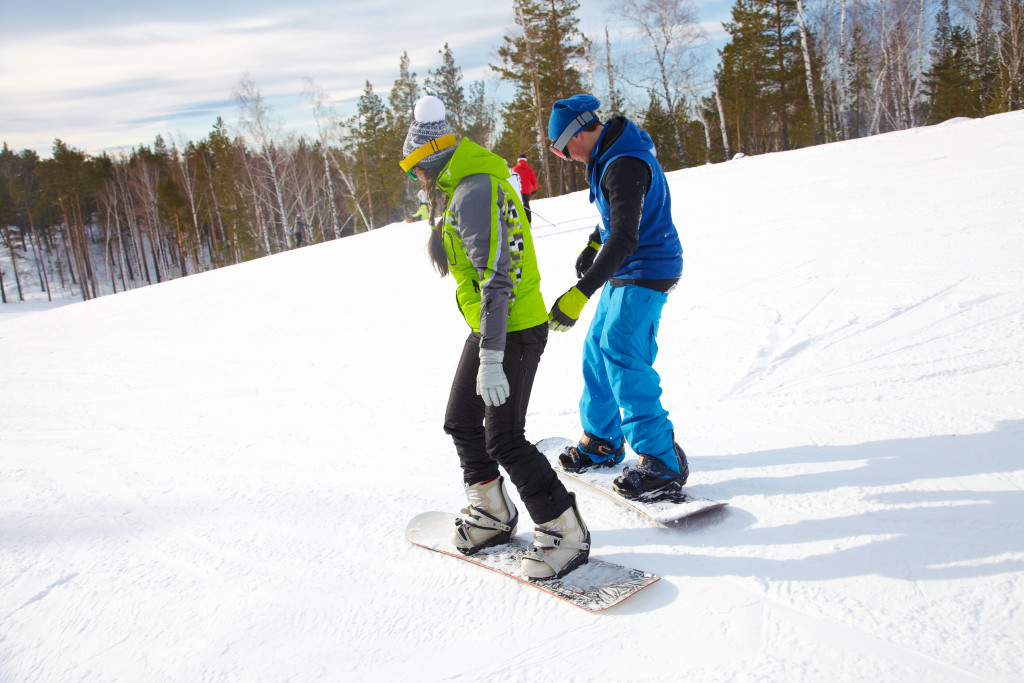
(529, 183)
(635, 255)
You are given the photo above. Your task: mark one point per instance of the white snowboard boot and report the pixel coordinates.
(559, 546)
(490, 519)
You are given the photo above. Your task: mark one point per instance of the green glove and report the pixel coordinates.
(566, 310)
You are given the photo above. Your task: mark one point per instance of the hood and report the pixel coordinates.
(622, 136)
(470, 159)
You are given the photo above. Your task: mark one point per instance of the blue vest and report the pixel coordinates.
(659, 255)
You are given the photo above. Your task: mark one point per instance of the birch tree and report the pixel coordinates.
(808, 69)
(671, 30)
(326, 128)
(263, 131)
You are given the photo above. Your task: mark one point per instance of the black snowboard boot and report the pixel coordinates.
(591, 451)
(651, 479)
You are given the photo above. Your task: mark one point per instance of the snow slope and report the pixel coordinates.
(208, 479)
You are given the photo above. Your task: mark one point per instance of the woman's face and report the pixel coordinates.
(421, 174)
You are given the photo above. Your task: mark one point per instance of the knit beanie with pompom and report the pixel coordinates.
(428, 124)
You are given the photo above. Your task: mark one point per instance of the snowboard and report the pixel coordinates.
(594, 587)
(664, 512)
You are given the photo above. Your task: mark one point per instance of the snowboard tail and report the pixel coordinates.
(665, 510)
(594, 587)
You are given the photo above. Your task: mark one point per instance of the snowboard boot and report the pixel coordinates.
(591, 451)
(559, 546)
(490, 519)
(652, 480)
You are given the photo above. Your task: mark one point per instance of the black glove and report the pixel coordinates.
(586, 258)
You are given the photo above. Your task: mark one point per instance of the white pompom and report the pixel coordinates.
(429, 109)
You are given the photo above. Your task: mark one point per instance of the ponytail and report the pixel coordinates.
(435, 246)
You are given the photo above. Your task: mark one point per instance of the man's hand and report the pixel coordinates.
(566, 310)
(586, 258)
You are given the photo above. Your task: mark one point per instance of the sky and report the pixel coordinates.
(114, 73)
(209, 479)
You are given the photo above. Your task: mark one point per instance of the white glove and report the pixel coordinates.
(491, 383)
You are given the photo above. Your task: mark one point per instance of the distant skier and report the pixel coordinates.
(422, 213)
(529, 183)
(636, 256)
(483, 241)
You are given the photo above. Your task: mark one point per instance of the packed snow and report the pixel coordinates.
(209, 479)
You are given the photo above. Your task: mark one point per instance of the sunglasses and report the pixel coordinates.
(411, 174)
(560, 146)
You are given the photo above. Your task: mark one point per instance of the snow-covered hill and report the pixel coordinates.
(208, 479)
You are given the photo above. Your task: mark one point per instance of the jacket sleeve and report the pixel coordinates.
(481, 223)
(533, 181)
(625, 184)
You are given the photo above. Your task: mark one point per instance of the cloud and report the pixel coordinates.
(119, 73)
(97, 81)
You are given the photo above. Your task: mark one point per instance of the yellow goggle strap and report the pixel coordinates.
(435, 145)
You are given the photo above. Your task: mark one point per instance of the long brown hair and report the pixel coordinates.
(435, 197)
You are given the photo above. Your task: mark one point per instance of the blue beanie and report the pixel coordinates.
(563, 112)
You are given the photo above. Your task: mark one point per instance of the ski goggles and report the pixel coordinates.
(425, 150)
(558, 147)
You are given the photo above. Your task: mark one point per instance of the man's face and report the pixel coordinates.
(577, 150)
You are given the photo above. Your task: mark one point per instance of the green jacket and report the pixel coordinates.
(489, 246)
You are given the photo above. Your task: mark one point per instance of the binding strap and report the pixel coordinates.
(543, 540)
(484, 520)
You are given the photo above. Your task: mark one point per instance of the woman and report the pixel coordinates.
(484, 242)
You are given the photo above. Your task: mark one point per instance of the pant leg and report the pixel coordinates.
(464, 417)
(504, 428)
(526, 207)
(629, 347)
(599, 407)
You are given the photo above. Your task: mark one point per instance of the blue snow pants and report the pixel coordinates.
(621, 389)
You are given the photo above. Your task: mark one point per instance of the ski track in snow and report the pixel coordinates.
(209, 479)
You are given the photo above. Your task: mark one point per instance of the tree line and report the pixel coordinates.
(792, 73)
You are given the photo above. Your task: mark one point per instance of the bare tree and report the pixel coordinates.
(263, 131)
(808, 68)
(671, 30)
(721, 121)
(323, 114)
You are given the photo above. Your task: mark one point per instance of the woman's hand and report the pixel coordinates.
(491, 383)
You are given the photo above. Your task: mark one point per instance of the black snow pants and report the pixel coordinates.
(488, 436)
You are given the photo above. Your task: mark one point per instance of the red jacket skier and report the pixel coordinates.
(529, 181)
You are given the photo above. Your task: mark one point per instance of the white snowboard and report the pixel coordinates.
(663, 512)
(594, 587)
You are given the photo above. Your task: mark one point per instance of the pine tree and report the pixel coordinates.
(951, 83)
(762, 77)
(446, 84)
(69, 182)
(232, 214)
(402, 101)
(479, 115)
(658, 124)
(370, 149)
(542, 64)
(742, 75)
(8, 213)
